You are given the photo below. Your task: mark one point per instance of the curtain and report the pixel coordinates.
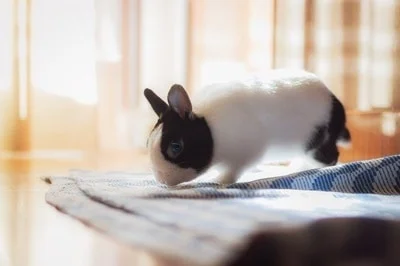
(6, 58)
(89, 61)
(353, 45)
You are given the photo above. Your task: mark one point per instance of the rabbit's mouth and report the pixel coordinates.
(175, 176)
(160, 176)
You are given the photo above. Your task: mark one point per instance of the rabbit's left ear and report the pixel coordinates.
(158, 105)
(179, 101)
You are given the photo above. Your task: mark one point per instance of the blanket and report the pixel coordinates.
(337, 215)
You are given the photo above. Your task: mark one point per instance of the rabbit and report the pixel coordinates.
(278, 116)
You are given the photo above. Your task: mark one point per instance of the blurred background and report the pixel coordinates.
(72, 75)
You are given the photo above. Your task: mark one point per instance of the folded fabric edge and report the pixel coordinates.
(282, 181)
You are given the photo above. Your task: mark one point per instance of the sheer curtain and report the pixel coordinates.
(6, 58)
(89, 61)
(352, 44)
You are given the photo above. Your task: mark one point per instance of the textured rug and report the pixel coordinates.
(331, 216)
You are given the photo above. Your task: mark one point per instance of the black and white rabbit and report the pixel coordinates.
(284, 115)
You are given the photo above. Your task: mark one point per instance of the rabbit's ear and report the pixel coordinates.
(158, 105)
(179, 101)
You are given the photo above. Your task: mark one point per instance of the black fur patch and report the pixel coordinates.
(196, 136)
(327, 153)
(337, 123)
(324, 139)
(317, 138)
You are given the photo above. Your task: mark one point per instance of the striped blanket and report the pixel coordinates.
(342, 215)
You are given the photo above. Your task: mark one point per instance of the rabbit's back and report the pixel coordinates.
(271, 117)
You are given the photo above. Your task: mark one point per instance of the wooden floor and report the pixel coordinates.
(34, 234)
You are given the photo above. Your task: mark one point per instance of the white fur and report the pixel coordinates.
(264, 118)
(268, 118)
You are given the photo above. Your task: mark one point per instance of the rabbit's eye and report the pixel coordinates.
(175, 148)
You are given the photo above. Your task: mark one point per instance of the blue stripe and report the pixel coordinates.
(364, 182)
(282, 183)
(380, 175)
